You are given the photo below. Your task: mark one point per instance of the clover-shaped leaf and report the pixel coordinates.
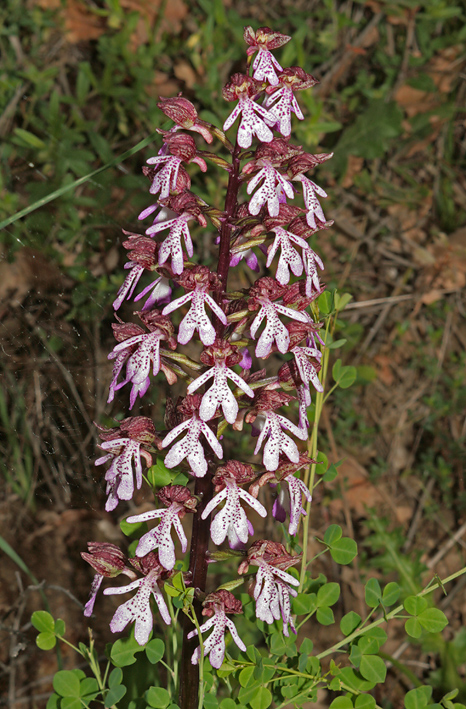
(418, 698)
(391, 593)
(373, 593)
(349, 622)
(373, 668)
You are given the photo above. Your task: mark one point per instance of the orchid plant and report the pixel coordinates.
(227, 388)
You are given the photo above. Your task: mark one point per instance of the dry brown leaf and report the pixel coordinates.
(30, 271)
(447, 270)
(414, 101)
(186, 73)
(384, 369)
(81, 25)
(355, 166)
(360, 493)
(174, 12)
(162, 86)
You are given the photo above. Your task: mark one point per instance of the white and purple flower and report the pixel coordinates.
(219, 604)
(190, 446)
(138, 608)
(270, 192)
(231, 521)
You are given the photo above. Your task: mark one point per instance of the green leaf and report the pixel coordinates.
(354, 680)
(391, 594)
(371, 134)
(365, 701)
(349, 622)
(336, 344)
(157, 697)
(46, 641)
(342, 702)
(415, 604)
(87, 686)
(347, 377)
(253, 654)
(413, 628)
(355, 655)
(368, 645)
(262, 700)
(330, 474)
(325, 616)
(373, 668)
(115, 678)
(178, 581)
(344, 550)
(246, 677)
(334, 685)
(66, 683)
(322, 459)
(378, 635)
(306, 646)
(228, 704)
(231, 585)
(114, 695)
(373, 593)
(328, 594)
(43, 622)
(101, 146)
(155, 650)
(325, 302)
(29, 138)
(336, 369)
(418, 698)
(245, 694)
(60, 627)
(341, 301)
(450, 695)
(133, 530)
(71, 703)
(277, 645)
(291, 689)
(158, 474)
(123, 651)
(433, 620)
(332, 534)
(304, 603)
(210, 701)
(53, 702)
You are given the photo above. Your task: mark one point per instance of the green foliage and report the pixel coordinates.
(371, 134)
(342, 549)
(56, 136)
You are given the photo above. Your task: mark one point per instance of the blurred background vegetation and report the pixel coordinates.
(79, 83)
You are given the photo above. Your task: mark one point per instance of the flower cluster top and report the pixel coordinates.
(184, 300)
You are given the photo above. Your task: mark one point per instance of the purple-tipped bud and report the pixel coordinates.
(223, 598)
(179, 494)
(264, 38)
(183, 113)
(241, 86)
(240, 472)
(180, 110)
(106, 559)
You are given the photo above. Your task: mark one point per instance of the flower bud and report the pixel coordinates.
(106, 559)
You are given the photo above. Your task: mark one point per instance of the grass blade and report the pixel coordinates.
(62, 190)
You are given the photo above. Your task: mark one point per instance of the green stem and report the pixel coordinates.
(193, 617)
(387, 616)
(309, 476)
